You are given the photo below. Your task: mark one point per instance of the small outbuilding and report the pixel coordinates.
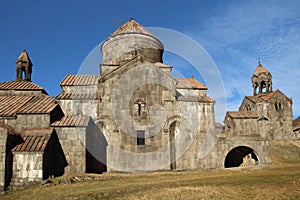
(38, 157)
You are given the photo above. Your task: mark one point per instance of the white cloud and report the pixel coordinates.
(244, 31)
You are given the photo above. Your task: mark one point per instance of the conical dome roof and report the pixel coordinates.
(128, 41)
(23, 57)
(131, 26)
(260, 69)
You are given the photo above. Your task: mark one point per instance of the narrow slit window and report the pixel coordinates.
(140, 139)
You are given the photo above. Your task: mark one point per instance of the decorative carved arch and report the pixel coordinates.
(171, 120)
(106, 122)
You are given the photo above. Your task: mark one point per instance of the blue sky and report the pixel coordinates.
(58, 36)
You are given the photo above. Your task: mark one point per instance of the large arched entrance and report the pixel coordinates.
(240, 155)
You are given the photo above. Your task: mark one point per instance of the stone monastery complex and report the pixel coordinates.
(132, 117)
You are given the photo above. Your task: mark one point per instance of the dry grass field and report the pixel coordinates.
(281, 181)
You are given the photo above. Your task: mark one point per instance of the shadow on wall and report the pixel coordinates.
(96, 145)
(54, 158)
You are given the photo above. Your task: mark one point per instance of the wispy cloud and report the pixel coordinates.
(243, 31)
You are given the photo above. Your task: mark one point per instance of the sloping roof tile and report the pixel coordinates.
(20, 85)
(72, 121)
(242, 114)
(38, 105)
(78, 79)
(34, 140)
(131, 27)
(189, 83)
(67, 96)
(266, 96)
(9, 105)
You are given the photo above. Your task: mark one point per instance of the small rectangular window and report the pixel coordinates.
(140, 138)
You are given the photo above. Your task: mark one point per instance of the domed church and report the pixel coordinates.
(132, 117)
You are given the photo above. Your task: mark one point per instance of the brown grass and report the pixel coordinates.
(279, 182)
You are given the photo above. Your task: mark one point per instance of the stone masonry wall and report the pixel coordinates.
(30, 121)
(72, 140)
(3, 137)
(79, 107)
(27, 167)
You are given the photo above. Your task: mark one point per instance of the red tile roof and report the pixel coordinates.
(266, 96)
(242, 114)
(260, 69)
(78, 79)
(20, 85)
(67, 96)
(34, 140)
(38, 105)
(203, 99)
(9, 105)
(189, 83)
(131, 27)
(72, 121)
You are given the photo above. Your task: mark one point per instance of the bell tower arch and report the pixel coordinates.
(261, 80)
(23, 67)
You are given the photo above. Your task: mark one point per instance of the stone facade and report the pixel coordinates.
(133, 117)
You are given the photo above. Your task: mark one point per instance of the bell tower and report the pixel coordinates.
(261, 80)
(23, 67)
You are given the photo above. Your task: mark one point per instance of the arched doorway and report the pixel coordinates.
(172, 132)
(238, 155)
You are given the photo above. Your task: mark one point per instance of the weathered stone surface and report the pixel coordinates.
(141, 120)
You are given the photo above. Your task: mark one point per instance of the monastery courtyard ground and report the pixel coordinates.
(280, 181)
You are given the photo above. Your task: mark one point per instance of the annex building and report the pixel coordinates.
(132, 117)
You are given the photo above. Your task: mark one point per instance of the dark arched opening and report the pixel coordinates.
(236, 156)
(172, 132)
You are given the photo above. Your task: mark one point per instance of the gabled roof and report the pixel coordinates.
(266, 96)
(79, 80)
(9, 105)
(72, 121)
(70, 96)
(20, 85)
(38, 105)
(34, 140)
(242, 114)
(12, 105)
(189, 83)
(260, 69)
(131, 26)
